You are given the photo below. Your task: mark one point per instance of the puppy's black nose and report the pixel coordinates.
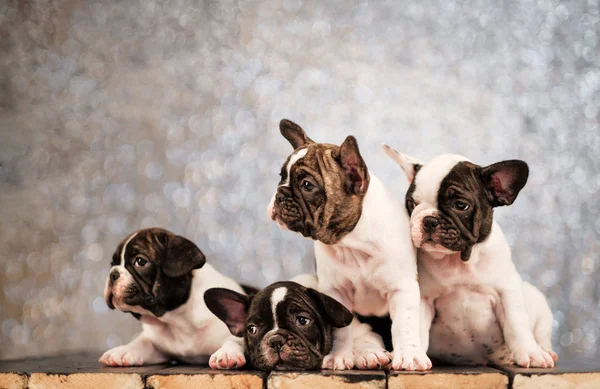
(114, 275)
(429, 223)
(279, 197)
(276, 342)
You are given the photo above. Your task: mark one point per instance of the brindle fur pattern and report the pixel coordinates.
(340, 179)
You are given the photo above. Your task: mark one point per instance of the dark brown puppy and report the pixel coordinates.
(151, 271)
(160, 278)
(286, 326)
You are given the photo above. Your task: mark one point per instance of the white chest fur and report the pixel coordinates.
(440, 273)
(473, 303)
(371, 260)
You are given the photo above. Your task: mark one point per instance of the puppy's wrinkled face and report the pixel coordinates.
(285, 326)
(450, 199)
(321, 188)
(151, 272)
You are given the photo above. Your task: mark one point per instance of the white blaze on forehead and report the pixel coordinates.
(277, 296)
(125, 248)
(430, 176)
(293, 159)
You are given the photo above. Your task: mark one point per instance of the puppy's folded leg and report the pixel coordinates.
(517, 328)
(541, 317)
(140, 351)
(369, 350)
(427, 315)
(230, 355)
(341, 356)
(404, 307)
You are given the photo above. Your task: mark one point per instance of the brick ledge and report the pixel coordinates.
(82, 370)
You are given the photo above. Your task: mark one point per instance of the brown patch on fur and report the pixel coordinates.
(334, 207)
(338, 212)
(482, 188)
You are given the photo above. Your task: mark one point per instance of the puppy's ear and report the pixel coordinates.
(334, 312)
(229, 306)
(182, 256)
(504, 180)
(294, 134)
(410, 165)
(357, 175)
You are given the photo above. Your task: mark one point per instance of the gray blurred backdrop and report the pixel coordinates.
(121, 115)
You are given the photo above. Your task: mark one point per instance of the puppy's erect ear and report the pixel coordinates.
(357, 175)
(410, 165)
(182, 256)
(229, 306)
(504, 180)
(294, 134)
(334, 312)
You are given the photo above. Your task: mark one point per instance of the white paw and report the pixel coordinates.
(371, 358)
(411, 358)
(552, 353)
(339, 360)
(122, 356)
(533, 356)
(225, 358)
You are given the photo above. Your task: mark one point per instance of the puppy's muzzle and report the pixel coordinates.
(286, 208)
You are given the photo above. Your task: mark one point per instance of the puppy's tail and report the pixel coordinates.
(307, 280)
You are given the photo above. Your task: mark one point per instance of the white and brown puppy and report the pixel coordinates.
(287, 325)
(160, 278)
(475, 307)
(364, 255)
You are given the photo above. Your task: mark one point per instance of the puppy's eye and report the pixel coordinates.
(460, 205)
(302, 321)
(140, 262)
(252, 329)
(307, 185)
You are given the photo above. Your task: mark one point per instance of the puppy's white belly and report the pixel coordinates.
(194, 347)
(352, 273)
(466, 329)
(369, 301)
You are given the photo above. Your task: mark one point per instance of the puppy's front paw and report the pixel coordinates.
(122, 356)
(226, 358)
(533, 356)
(339, 360)
(371, 358)
(411, 358)
(552, 353)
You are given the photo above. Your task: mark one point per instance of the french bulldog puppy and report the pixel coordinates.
(160, 278)
(475, 307)
(286, 326)
(364, 255)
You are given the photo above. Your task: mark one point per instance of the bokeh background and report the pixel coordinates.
(120, 115)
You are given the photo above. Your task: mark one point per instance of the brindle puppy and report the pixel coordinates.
(365, 258)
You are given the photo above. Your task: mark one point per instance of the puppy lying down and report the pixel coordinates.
(288, 326)
(160, 278)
